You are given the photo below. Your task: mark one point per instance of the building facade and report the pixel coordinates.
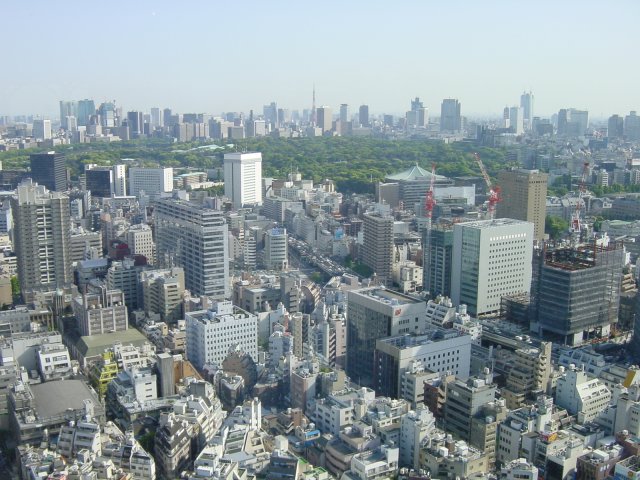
(243, 178)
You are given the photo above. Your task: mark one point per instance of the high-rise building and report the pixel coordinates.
(139, 239)
(363, 116)
(42, 232)
(135, 121)
(577, 290)
(119, 180)
(211, 334)
(48, 169)
(270, 113)
(42, 129)
(632, 126)
(437, 262)
(450, 118)
(344, 113)
(99, 181)
(194, 237)
(491, 259)
(162, 293)
(67, 109)
(377, 245)
(572, 122)
(373, 314)
(156, 117)
(615, 126)
(418, 116)
(323, 118)
(464, 401)
(101, 312)
(276, 249)
(86, 108)
(516, 120)
(153, 181)
(108, 115)
(526, 103)
(524, 197)
(243, 178)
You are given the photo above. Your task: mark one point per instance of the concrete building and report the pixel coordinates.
(152, 181)
(415, 427)
(243, 178)
(577, 291)
(324, 119)
(464, 401)
(524, 197)
(99, 181)
(491, 259)
(211, 334)
(49, 170)
(519, 469)
(377, 246)
(124, 276)
(42, 229)
(84, 244)
(437, 261)
(373, 314)
(101, 312)
(582, 396)
(139, 238)
(276, 248)
(450, 118)
(42, 129)
(163, 293)
(438, 350)
(194, 237)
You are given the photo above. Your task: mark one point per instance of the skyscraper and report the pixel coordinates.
(86, 108)
(450, 119)
(243, 178)
(108, 116)
(615, 126)
(156, 117)
(100, 181)
(42, 129)
(524, 197)
(526, 103)
(491, 259)
(437, 262)
(344, 113)
(135, 121)
(42, 232)
(632, 126)
(119, 180)
(363, 116)
(48, 169)
(194, 237)
(377, 245)
(516, 120)
(323, 116)
(68, 108)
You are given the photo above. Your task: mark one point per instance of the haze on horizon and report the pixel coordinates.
(213, 56)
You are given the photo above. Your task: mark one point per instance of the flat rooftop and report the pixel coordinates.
(384, 296)
(90, 346)
(496, 222)
(55, 398)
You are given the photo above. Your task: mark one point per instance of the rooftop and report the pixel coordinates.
(55, 398)
(90, 346)
(414, 173)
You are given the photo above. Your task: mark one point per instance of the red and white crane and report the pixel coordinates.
(494, 190)
(576, 223)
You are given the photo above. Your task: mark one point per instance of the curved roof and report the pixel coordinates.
(414, 173)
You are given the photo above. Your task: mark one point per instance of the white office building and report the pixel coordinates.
(120, 180)
(491, 259)
(276, 249)
(212, 334)
(152, 181)
(243, 178)
(581, 395)
(139, 238)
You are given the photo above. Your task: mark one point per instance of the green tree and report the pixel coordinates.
(555, 226)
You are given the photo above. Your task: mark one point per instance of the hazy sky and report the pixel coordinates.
(213, 56)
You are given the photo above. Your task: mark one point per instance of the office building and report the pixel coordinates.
(582, 395)
(276, 249)
(86, 108)
(615, 127)
(491, 259)
(195, 238)
(124, 276)
(99, 181)
(153, 181)
(363, 116)
(438, 350)
(243, 178)
(450, 118)
(119, 180)
(526, 104)
(377, 246)
(632, 126)
(373, 314)
(135, 122)
(68, 108)
(139, 239)
(344, 113)
(577, 291)
(42, 129)
(324, 119)
(156, 118)
(108, 115)
(163, 293)
(465, 399)
(213, 334)
(48, 169)
(572, 122)
(516, 120)
(524, 197)
(41, 238)
(102, 312)
(437, 263)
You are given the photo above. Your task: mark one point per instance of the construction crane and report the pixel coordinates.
(494, 190)
(576, 223)
(429, 203)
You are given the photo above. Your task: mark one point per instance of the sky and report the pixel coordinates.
(212, 56)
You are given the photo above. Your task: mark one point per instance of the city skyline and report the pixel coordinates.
(484, 55)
